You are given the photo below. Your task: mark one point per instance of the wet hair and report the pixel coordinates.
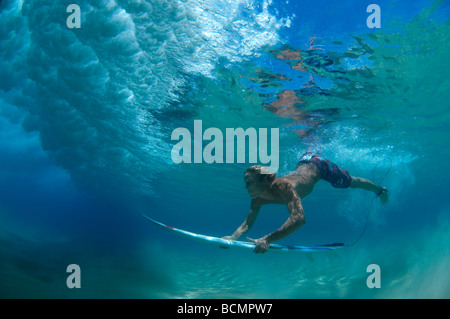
(262, 173)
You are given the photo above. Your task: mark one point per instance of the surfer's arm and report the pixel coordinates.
(248, 223)
(296, 219)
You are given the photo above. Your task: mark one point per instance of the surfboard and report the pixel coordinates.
(243, 244)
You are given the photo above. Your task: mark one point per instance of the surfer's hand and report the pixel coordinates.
(227, 238)
(262, 245)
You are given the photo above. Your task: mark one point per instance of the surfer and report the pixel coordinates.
(264, 188)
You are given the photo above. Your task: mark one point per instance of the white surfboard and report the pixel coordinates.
(244, 244)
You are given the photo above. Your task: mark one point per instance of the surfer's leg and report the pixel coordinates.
(336, 176)
(358, 182)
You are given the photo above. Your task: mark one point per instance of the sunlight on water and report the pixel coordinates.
(86, 120)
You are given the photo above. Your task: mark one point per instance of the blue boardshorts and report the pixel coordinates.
(330, 172)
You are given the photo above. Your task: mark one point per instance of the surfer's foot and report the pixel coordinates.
(383, 194)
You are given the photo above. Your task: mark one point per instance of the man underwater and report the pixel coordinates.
(264, 188)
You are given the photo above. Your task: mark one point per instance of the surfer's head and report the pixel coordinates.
(258, 180)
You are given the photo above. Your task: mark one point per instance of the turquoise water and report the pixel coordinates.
(86, 120)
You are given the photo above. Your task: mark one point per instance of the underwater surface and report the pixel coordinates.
(86, 122)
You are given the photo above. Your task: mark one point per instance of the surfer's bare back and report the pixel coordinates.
(265, 188)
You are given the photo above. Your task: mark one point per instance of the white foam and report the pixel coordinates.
(209, 30)
(91, 89)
